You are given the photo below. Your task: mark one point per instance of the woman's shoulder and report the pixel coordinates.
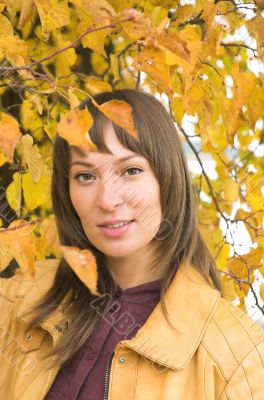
(233, 339)
(19, 285)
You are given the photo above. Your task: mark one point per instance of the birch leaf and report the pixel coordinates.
(74, 127)
(31, 157)
(14, 193)
(20, 242)
(83, 263)
(120, 112)
(9, 134)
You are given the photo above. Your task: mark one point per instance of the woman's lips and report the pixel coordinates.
(114, 232)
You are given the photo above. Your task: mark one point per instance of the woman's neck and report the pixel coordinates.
(134, 269)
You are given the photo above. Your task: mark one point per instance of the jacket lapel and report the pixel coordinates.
(190, 303)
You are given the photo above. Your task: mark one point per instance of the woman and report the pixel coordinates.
(161, 330)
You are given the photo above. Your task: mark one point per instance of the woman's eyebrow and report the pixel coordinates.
(89, 164)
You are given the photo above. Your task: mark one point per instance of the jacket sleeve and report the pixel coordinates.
(246, 383)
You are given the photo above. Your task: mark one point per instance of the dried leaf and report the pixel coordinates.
(27, 11)
(74, 127)
(36, 194)
(9, 134)
(20, 242)
(53, 14)
(83, 263)
(14, 193)
(31, 157)
(120, 112)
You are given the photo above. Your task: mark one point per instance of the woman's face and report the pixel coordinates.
(104, 190)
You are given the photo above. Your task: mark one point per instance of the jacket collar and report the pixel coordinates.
(190, 302)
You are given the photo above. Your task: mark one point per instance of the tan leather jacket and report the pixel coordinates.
(214, 352)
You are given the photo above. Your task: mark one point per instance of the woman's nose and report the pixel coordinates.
(109, 195)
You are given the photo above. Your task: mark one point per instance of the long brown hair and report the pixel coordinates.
(182, 243)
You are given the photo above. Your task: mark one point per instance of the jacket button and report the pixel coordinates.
(29, 337)
(122, 359)
(58, 328)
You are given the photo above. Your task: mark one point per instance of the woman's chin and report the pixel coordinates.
(121, 252)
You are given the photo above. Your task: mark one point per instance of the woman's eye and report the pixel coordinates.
(133, 169)
(86, 177)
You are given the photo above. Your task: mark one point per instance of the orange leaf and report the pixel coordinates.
(74, 127)
(153, 61)
(20, 242)
(9, 135)
(173, 42)
(120, 112)
(83, 263)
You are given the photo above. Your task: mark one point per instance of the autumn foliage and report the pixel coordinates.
(204, 57)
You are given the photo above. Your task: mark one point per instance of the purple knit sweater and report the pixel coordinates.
(84, 376)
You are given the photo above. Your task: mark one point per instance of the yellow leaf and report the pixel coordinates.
(51, 128)
(207, 214)
(255, 198)
(14, 193)
(228, 288)
(27, 11)
(120, 112)
(137, 28)
(153, 63)
(95, 41)
(68, 55)
(6, 28)
(48, 241)
(99, 63)
(261, 291)
(9, 135)
(231, 118)
(13, 6)
(99, 10)
(5, 256)
(190, 36)
(239, 270)
(178, 109)
(115, 67)
(244, 87)
(36, 194)
(74, 101)
(222, 256)
(19, 239)
(212, 236)
(83, 263)
(74, 127)
(174, 43)
(252, 221)
(231, 190)
(215, 134)
(15, 50)
(53, 14)
(31, 157)
(3, 158)
(260, 238)
(96, 85)
(256, 105)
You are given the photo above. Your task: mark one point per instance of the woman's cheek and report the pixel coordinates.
(78, 199)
